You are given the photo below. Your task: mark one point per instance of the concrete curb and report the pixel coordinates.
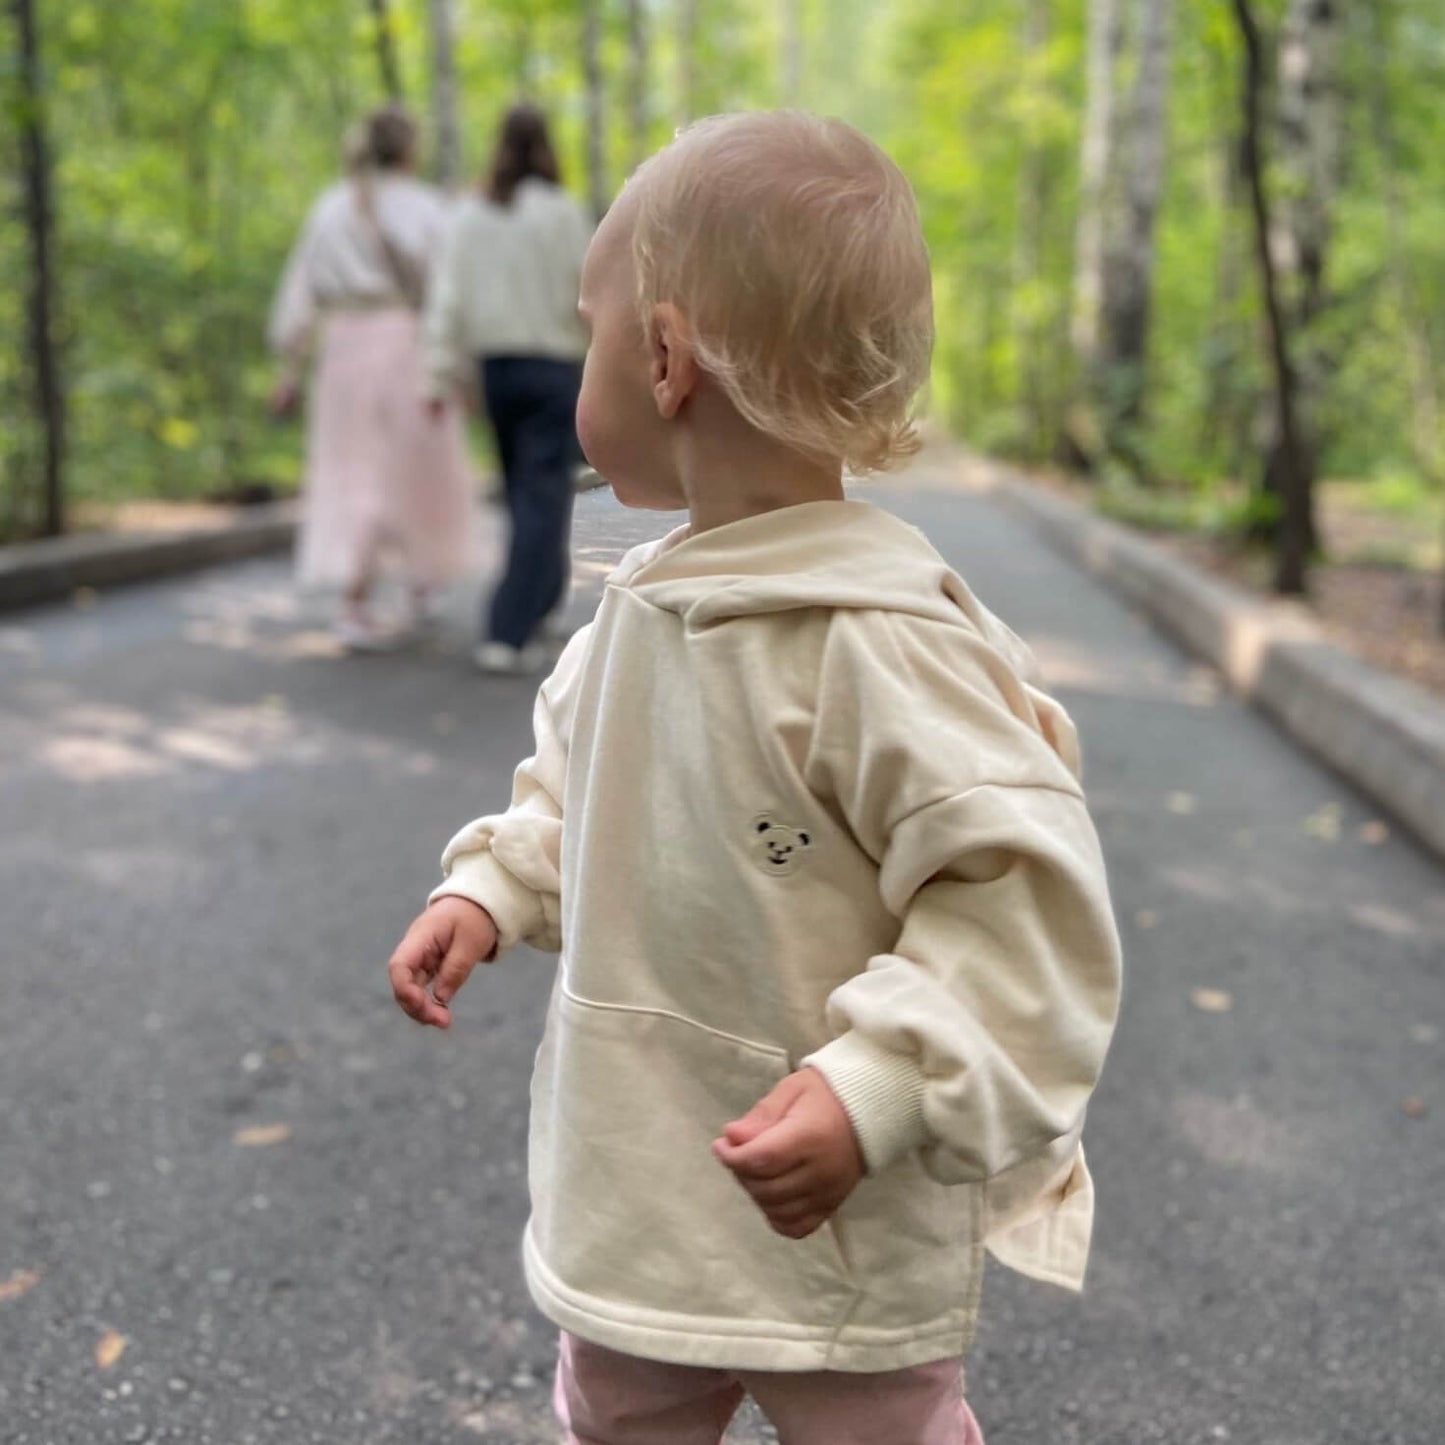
(1382, 734)
(32, 572)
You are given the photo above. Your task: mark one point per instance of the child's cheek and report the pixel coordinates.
(591, 431)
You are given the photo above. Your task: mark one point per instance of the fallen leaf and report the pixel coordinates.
(84, 598)
(1374, 833)
(255, 1134)
(109, 1349)
(1323, 824)
(18, 1283)
(1146, 919)
(1414, 1108)
(274, 702)
(1211, 1000)
(1181, 803)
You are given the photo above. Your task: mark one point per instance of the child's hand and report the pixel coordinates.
(795, 1153)
(441, 948)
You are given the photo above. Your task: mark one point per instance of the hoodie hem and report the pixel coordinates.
(738, 1344)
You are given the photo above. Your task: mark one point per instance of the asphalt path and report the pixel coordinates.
(243, 1201)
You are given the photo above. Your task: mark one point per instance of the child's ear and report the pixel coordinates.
(674, 367)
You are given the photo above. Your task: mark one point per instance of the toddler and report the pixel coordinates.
(838, 968)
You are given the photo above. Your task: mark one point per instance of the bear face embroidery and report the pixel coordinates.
(777, 848)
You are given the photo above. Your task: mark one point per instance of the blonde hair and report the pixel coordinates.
(792, 246)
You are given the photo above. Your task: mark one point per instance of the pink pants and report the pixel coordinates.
(604, 1398)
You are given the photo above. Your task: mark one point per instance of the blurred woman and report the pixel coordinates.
(379, 475)
(505, 300)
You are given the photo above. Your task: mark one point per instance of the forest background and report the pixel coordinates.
(1096, 178)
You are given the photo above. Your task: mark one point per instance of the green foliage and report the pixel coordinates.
(963, 101)
(190, 136)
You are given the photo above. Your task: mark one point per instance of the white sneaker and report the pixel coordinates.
(501, 659)
(358, 633)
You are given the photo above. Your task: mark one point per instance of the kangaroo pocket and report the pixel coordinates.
(630, 1208)
(913, 1245)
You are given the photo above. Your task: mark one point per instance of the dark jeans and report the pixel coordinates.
(532, 404)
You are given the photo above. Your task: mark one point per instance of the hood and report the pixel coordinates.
(816, 554)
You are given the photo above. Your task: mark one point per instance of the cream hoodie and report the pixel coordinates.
(794, 802)
(507, 283)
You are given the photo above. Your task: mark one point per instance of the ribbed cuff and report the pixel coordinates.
(515, 909)
(881, 1091)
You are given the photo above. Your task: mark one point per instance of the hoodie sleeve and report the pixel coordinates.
(510, 863)
(441, 327)
(978, 1037)
(292, 321)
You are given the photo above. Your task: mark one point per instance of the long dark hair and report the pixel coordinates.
(524, 149)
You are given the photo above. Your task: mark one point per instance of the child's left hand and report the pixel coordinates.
(795, 1153)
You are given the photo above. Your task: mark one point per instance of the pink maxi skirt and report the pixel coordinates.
(383, 479)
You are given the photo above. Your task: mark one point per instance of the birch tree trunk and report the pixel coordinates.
(1309, 131)
(1309, 156)
(1028, 243)
(686, 60)
(444, 95)
(792, 52)
(1426, 438)
(1129, 266)
(1095, 158)
(385, 41)
(41, 304)
(1295, 479)
(592, 80)
(638, 69)
(1427, 443)
(1230, 406)
(525, 58)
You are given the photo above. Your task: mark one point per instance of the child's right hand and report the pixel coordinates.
(441, 948)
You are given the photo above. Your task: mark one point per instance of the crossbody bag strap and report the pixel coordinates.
(408, 275)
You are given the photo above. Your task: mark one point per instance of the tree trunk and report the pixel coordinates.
(1028, 243)
(686, 60)
(1095, 157)
(592, 80)
(385, 40)
(1309, 128)
(525, 59)
(638, 68)
(444, 95)
(41, 303)
(1227, 416)
(1427, 441)
(792, 52)
(1129, 266)
(1309, 143)
(1427, 445)
(1296, 482)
